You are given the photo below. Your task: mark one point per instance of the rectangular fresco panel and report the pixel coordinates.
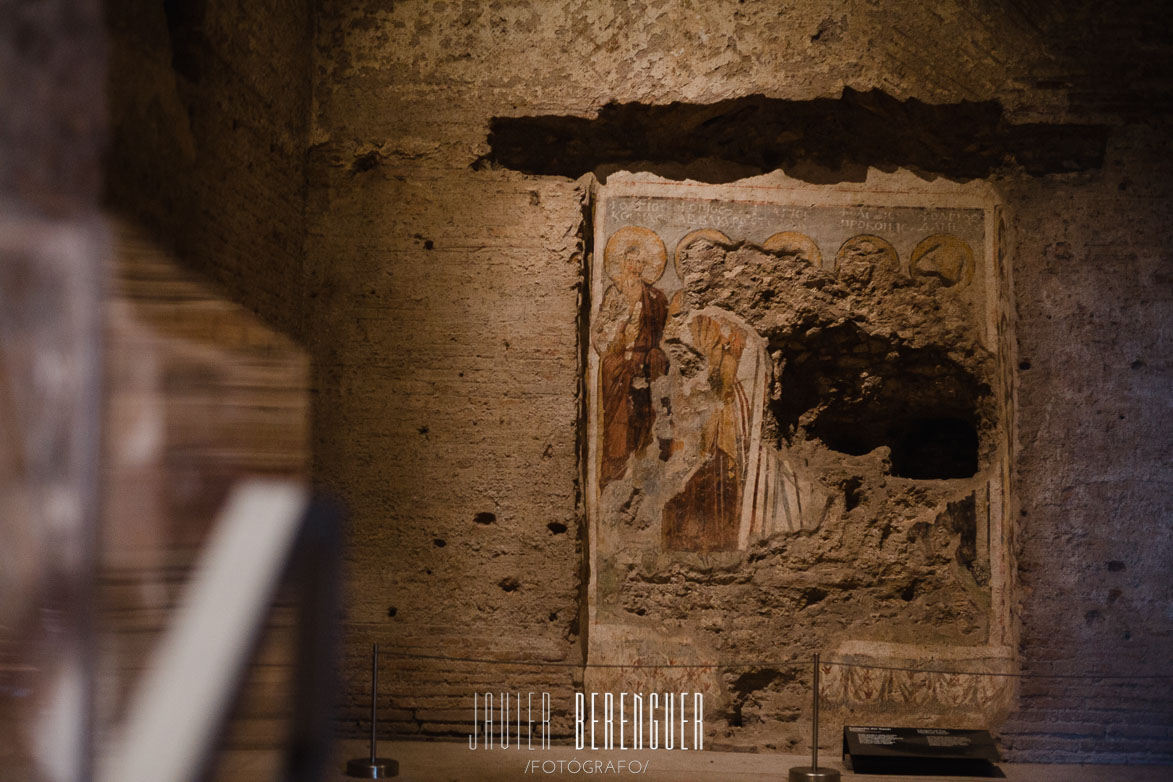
(692, 464)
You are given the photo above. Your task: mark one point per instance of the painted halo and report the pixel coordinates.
(650, 247)
(708, 234)
(867, 246)
(795, 243)
(943, 256)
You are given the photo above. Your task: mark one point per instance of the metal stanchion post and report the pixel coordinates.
(813, 773)
(373, 767)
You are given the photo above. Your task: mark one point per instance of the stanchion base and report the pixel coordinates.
(379, 768)
(808, 774)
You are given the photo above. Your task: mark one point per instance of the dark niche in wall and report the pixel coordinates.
(934, 448)
(820, 140)
(856, 392)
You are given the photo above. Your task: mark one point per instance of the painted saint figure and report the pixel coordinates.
(630, 324)
(706, 514)
(739, 487)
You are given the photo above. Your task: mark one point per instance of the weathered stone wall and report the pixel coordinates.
(443, 305)
(209, 110)
(442, 324)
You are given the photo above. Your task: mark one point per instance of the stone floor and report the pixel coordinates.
(454, 762)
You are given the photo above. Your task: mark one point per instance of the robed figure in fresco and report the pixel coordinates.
(737, 486)
(629, 328)
(740, 487)
(706, 514)
(720, 483)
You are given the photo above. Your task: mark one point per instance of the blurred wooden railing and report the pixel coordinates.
(200, 395)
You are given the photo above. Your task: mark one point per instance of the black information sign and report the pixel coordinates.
(943, 751)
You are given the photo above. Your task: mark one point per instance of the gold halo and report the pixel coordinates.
(943, 256)
(633, 237)
(795, 243)
(710, 234)
(857, 245)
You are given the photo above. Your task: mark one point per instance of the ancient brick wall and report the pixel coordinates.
(209, 109)
(443, 313)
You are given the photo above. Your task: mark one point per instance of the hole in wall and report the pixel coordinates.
(852, 496)
(365, 162)
(812, 596)
(857, 392)
(929, 448)
(909, 591)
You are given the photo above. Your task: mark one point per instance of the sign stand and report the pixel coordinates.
(373, 767)
(813, 773)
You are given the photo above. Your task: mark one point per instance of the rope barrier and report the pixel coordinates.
(775, 665)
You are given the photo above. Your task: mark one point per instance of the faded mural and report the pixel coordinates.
(690, 469)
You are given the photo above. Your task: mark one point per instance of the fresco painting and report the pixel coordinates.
(696, 429)
(711, 524)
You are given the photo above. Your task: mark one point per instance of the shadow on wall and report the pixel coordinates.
(821, 141)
